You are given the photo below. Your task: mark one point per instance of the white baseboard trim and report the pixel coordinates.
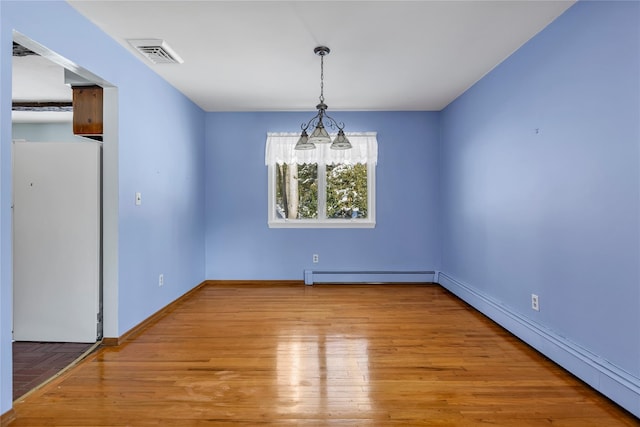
(613, 382)
(368, 276)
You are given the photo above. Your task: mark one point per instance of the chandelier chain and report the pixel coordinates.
(322, 79)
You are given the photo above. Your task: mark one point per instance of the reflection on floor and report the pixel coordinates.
(36, 362)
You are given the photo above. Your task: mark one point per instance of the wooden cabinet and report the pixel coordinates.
(87, 111)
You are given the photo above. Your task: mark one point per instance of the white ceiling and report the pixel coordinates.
(38, 79)
(385, 55)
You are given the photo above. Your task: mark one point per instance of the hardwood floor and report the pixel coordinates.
(357, 355)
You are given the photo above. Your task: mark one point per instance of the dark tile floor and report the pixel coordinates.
(36, 362)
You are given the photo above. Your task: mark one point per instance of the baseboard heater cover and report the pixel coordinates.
(369, 276)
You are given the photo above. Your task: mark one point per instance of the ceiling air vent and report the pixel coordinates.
(156, 51)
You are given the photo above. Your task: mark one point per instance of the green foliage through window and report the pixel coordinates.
(347, 191)
(297, 191)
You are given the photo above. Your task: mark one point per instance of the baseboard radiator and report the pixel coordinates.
(369, 276)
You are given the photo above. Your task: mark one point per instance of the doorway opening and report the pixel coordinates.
(48, 293)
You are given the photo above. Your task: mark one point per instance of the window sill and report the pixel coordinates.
(336, 223)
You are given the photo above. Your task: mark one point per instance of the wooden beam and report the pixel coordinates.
(87, 111)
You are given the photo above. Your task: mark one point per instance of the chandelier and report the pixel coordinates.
(320, 134)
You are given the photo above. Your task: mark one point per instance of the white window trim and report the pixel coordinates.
(273, 156)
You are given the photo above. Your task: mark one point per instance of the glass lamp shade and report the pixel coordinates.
(320, 135)
(341, 142)
(304, 143)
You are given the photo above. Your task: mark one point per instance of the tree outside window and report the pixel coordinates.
(297, 190)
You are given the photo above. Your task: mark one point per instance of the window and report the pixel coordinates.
(321, 187)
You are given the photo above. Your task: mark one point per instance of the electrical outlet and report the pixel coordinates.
(161, 279)
(316, 258)
(535, 303)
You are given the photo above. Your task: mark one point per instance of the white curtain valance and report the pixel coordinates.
(280, 149)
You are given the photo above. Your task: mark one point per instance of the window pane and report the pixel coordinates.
(347, 191)
(297, 191)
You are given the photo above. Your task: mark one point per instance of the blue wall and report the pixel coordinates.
(241, 246)
(161, 150)
(541, 184)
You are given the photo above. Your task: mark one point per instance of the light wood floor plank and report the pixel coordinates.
(366, 355)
